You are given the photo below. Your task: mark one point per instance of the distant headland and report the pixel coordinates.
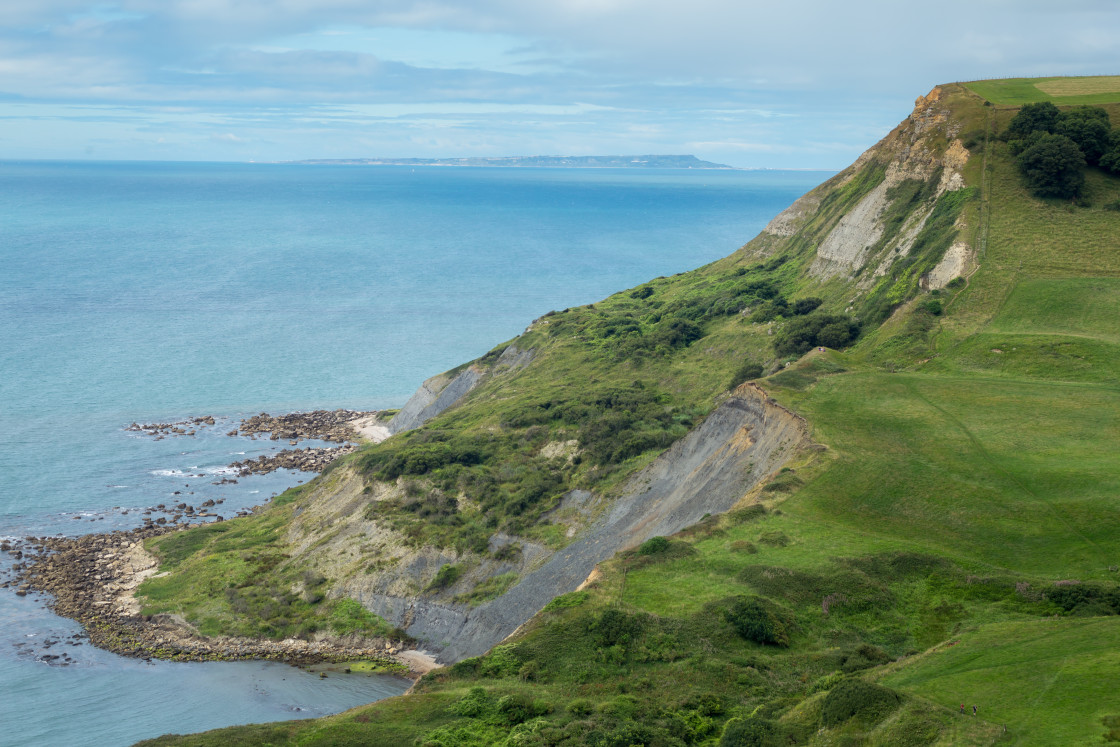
(564, 162)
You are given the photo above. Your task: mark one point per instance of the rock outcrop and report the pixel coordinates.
(440, 393)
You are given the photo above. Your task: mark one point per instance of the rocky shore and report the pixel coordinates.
(304, 460)
(92, 579)
(347, 427)
(325, 425)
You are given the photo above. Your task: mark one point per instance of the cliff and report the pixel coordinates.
(503, 488)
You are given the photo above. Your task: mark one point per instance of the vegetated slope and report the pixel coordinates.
(952, 538)
(448, 530)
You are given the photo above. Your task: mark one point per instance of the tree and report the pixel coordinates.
(1110, 161)
(1031, 117)
(1088, 126)
(1052, 167)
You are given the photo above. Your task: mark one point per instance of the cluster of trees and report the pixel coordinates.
(1053, 147)
(804, 333)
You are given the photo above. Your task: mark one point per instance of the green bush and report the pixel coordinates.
(517, 708)
(745, 372)
(581, 707)
(349, 616)
(756, 620)
(564, 601)
(855, 698)
(654, 545)
(804, 333)
(478, 703)
(803, 306)
(749, 732)
(1086, 599)
(862, 657)
(445, 576)
(616, 627)
(502, 661)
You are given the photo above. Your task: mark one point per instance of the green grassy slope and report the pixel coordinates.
(953, 538)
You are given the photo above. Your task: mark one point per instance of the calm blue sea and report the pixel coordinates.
(157, 291)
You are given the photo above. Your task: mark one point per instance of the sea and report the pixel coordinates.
(134, 292)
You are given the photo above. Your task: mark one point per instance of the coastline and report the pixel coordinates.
(91, 580)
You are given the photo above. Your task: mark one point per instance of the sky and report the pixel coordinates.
(777, 84)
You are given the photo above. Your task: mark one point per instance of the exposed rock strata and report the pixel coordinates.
(739, 445)
(444, 391)
(909, 152)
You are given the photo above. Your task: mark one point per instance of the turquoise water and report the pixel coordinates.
(153, 292)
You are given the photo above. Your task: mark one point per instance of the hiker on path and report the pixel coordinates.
(973, 710)
(962, 709)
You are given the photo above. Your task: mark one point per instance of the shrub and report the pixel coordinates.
(653, 546)
(803, 306)
(1086, 599)
(854, 697)
(745, 372)
(835, 335)
(349, 616)
(581, 707)
(932, 306)
(616, 627)
(756, 620)
(644, 291)
(749, 732)
(770, 310)
(518, 708)
(445, 576)
(678, 333)
(864, 656)
(804, 333)
(564, 601)
(478, 703)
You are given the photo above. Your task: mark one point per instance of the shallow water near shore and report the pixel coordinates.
(156, 292)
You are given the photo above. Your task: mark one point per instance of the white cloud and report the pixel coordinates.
(745, 78)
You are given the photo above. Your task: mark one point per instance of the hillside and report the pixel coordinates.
(913, 506)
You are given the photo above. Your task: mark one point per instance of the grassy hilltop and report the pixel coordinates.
(952, 534)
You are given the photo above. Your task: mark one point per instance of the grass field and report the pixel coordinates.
(1092, 90)
(1047, 681)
